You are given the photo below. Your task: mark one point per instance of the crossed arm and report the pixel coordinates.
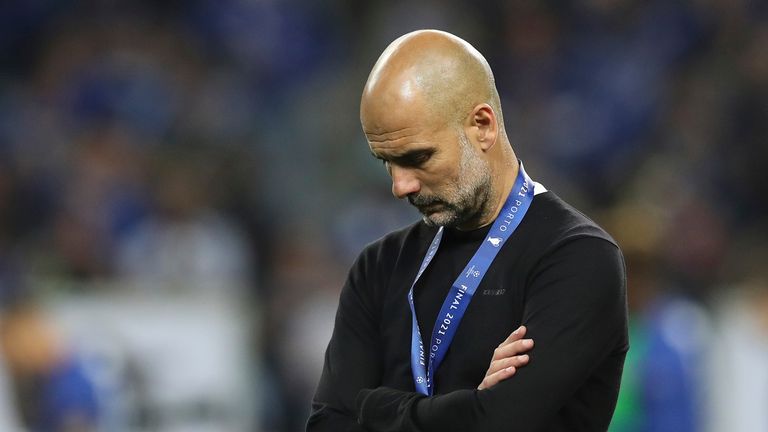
(507, 358)
(577, 316)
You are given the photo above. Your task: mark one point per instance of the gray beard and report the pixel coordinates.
(468, 198)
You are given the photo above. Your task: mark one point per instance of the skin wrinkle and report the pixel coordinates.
(369, 134)
(431, 92)
(393, 141)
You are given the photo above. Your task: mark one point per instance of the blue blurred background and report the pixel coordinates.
(183, 185)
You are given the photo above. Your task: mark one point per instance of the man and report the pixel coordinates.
(424, 308)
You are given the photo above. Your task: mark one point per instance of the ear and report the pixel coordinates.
(483, 127)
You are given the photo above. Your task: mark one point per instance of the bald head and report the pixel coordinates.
(431, 112)
(432, 72)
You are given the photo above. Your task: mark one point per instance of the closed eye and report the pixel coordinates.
(411, 159)
(414, 159)
(417, 158)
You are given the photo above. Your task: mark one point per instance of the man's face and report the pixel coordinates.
(438, 170)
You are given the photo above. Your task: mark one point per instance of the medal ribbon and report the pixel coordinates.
(460, 295)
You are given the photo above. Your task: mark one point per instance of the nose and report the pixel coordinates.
(404, 182)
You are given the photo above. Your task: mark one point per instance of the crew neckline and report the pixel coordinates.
(480, 233)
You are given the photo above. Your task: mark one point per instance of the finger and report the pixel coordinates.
(512, 349)
(518, 334)
(493, 379)
(516, 362)
(515, 336)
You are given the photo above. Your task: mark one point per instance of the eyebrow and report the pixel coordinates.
(408, 158)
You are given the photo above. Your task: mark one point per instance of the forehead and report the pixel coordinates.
(394, 142)
(389, 113)
(400, 129)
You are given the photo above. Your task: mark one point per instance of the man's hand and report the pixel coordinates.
(507, 358)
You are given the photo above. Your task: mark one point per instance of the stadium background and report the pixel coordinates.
(183, 185)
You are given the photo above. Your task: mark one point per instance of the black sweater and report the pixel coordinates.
(559, 274)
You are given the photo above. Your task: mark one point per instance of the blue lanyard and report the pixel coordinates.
(462, 290)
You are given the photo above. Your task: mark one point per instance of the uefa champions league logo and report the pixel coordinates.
(472, 272)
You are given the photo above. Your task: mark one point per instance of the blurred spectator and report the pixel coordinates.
(51, 389)
(186, 243)
(103, 202)
(738, 375)
(662, 388)
(299, 325)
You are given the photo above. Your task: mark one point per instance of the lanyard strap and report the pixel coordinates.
(462, 290)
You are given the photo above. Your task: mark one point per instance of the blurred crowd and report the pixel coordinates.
(183, 185)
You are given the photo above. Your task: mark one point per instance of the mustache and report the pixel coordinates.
(423, 200)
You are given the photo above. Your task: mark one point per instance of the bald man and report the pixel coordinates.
(429, 334)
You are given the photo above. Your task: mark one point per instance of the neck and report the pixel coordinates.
(503, 178)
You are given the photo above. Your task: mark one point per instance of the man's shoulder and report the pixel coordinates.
(379, 258)
(399, 238)
(557, 221)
